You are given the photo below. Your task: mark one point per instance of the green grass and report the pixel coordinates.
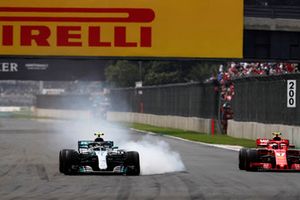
(194, 136)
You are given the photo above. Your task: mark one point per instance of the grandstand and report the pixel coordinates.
(23, 93)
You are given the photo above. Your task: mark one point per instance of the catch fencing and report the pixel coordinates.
(257, 99)
(188, 100)
(264, 99)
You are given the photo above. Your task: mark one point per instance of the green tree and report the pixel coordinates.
(203, 70)
(166, 72)
(122, 73)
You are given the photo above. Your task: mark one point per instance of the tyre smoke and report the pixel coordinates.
(156, 157)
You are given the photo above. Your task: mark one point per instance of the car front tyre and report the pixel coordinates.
(242, 158)
(67, 159)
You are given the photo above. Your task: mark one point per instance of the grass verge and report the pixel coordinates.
(194, 136)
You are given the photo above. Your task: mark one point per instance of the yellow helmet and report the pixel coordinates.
(99, 134)
(276, 134)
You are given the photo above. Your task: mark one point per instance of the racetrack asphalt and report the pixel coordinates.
(29, 170)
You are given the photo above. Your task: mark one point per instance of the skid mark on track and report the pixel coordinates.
(16, 188)
(57, 174)
(125, 189)
(41, 171)
(193, 188)
(36, 169)
(12, 167)
(157, 187)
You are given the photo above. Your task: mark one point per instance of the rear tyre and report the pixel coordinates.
(242, 158)
(132, 163)
(68, 161)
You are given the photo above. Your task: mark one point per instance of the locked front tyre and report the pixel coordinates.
(251, 157)
(68, 161)
(242, 158)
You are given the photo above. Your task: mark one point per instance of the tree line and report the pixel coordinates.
(124, 73)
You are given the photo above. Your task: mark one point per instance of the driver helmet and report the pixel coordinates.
(99, 138)
(277, 136)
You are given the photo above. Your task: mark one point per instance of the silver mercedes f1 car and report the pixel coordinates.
(98, 157)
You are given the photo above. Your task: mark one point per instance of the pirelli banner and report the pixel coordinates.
(117, 28)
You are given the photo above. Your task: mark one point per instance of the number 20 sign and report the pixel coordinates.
(291, 93)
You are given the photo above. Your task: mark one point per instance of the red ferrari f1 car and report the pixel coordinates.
(270, 154)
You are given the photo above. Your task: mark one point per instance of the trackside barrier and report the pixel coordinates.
(184, 123)
(254, 130)
(62, 114)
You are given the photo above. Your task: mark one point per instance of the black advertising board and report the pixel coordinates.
(52, 69)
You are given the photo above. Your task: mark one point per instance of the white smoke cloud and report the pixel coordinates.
(156, 156)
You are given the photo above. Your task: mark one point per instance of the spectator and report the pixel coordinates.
(244, 69)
